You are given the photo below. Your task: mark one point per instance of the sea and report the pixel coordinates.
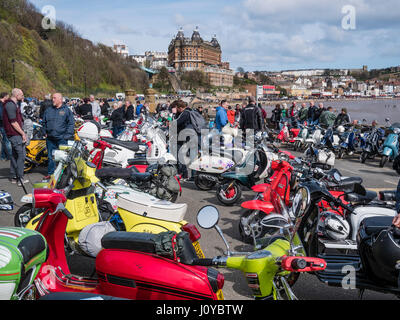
(368, 109)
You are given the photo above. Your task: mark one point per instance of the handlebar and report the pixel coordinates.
(203, 262)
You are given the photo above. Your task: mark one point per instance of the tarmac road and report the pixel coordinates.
(307, 287)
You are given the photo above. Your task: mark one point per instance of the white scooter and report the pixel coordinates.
(208, 166)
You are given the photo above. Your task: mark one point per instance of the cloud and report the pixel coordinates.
(254, 34)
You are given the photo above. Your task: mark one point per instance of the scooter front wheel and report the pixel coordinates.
(229, 193)
(24, 215)
(363, 157)
(383, 161)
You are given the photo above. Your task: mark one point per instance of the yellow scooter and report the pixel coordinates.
(83, 204)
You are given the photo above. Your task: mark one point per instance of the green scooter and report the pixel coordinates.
(271, 271)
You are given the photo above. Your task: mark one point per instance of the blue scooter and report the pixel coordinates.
(391, 145)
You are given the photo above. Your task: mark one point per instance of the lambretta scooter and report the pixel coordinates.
(209, 165)
(253, 169)
(269, 271)
(140, 212)
(391, 145)
(22, 253)
(130, 266)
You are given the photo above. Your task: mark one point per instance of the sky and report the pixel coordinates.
(264, 35)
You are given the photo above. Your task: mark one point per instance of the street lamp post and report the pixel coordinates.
(85, 84)
(13, 73)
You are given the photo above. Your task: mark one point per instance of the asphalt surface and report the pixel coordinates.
(307, 287)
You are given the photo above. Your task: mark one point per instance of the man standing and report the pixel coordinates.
(129, 111)
(58, 123)
(5, 143)
(318, 112)
(139, 107)
(96, 110)
(221, 118)
(303, 113)
(13, 123)
(117, 119)
(327, 118)
(251, 117)
(311, 111)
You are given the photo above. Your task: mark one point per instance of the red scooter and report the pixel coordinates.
(250, 221)
(128, 266)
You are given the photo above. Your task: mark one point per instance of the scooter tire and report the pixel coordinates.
(384, 159)
(231, 201)
(363, 157)
(28, 166)
(203, 185)
(24, 215)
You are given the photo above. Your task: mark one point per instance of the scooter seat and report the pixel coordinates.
(361, 199)
(130, 145)
(375, 225)
(143, 242)
(347, 183)
(140, 177)
(138, 161)
(31, 246)
(113, 173)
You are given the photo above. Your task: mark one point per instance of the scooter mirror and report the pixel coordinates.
(337, 177)
(208, 217)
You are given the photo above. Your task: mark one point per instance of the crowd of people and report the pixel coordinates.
(312, 114)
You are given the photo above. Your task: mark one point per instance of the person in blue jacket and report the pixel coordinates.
(139, 107)
(221, 118)
(59, 126)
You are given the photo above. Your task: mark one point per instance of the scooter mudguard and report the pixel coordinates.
(264, 206)
(232, 175)
(387, 151)
(260, 188)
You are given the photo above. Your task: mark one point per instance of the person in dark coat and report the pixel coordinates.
(85, 110)
(117, 118)
(129, 111)
(59, 126)
(252, 117)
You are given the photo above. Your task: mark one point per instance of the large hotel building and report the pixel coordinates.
(188, 54)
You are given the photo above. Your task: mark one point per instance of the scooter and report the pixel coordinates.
(36, 151)
(139, 212)
(255, 167)
(130, 266)
(330, 228)
(391, 145)
(300, 140)
(269, 272)
(121, 150)
(209, 166)
(256, 210)
(375, 265)
(373, 144)
(22, 253)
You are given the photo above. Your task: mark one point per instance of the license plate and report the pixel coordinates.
(220, 295)
(199, 252)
